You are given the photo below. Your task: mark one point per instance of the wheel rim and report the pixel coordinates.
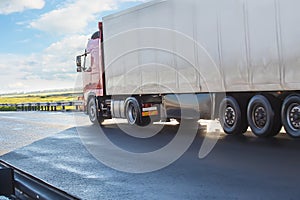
(132, 114)
(259, 116)
(293, 116)
(229, 116)
(93, 112)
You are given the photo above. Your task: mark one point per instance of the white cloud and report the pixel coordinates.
(54, 68)
(12, 6)
(74, 16)
(17, 85)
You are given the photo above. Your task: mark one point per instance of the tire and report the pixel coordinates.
(145, 121)
(264, 117)
(93, 112)
(133, 113)
(232, 120)
(290, 115)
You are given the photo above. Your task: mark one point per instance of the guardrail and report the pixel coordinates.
(17, 184)
(53, 106)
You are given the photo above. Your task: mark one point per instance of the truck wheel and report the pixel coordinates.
(134, 113)
(290, 115)
(264, 117)
(231, 118)
(145, 121)
(93, 111)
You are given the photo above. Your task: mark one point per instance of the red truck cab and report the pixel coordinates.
(91, 66)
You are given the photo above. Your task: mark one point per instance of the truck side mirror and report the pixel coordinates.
(78, 63)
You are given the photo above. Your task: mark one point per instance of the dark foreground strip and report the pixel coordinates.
(16, 184)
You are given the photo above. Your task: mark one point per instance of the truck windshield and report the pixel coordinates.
(96, 35)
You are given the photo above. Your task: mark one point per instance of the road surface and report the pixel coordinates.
(50, 146)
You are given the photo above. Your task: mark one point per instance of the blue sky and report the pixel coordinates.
(40, 39)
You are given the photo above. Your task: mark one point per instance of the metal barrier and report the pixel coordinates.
(78, 106)
(17, 184)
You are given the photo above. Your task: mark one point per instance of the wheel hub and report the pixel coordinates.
(132, 114)
(294, 116)
(230, 116)
(92, 111)
(260, 117)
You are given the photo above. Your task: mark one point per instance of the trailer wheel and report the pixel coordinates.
(290, 116)
(134, 113)
(231, 118)
(264, 117)
(93, 112)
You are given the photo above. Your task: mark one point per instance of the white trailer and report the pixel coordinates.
(240, 59)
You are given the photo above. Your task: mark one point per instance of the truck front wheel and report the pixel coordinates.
(93, 112)
(231, 118)
(264, 117)
(290, 115)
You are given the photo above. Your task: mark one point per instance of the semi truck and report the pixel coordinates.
(237, 61)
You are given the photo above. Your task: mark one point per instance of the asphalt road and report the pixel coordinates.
(60, 149)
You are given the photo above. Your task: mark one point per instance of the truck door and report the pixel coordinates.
(93, 74)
